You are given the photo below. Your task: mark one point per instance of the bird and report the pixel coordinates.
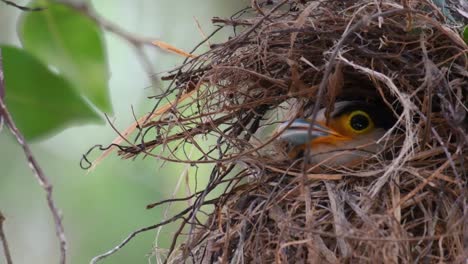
(350, 135)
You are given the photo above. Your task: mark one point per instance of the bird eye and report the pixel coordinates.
(359, 121)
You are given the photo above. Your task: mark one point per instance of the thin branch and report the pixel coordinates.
(4, 241)
(38, 173)
(138, 42)
(88, 11)
(136, 232)
(124, 242)
(2, 87)
(22, 8)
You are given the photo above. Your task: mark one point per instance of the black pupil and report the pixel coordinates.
(359, 122)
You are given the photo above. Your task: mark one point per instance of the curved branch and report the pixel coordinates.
(43, 180)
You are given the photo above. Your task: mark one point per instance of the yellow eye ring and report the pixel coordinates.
(359, 122)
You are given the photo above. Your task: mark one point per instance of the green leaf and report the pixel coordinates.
(72, 44)
(39, 100)
(465, 34)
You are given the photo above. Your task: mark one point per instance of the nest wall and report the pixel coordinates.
(286, 59)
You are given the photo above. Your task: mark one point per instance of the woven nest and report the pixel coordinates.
(407, 204)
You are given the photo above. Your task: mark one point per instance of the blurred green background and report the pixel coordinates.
(103, 207)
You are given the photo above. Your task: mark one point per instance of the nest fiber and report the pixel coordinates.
(287, 59)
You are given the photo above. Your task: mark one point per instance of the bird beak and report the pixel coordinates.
(297, 133)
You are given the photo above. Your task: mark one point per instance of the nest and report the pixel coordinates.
(287, 59)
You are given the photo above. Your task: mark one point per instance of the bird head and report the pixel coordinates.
(350, 134)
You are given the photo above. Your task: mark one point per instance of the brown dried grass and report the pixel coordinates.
(406, 205)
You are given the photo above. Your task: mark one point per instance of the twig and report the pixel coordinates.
(38, 173)
(4, 241)
(124, 242)
(22, 8)
(231, 22)
(258, 23)
(136, 232)
(86, 10)
(136, 41)
(2, 88)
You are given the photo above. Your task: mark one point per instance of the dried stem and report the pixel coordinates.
(4, 241)
(22, 8)
(87, 10)
(136, 232)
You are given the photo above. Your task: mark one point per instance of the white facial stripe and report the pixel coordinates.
(298, 132)
(317, 129)
(296, 124)
(299, 137)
